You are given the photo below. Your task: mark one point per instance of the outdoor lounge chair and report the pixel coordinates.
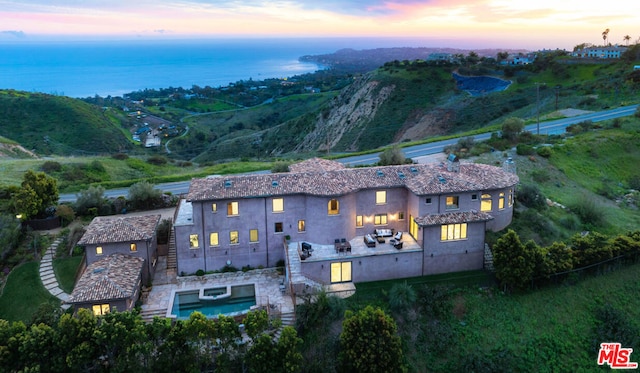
(398, 236)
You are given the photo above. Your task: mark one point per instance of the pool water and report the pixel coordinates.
(187, 301)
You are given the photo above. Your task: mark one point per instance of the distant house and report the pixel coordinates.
(448, 57)
(108, 284)
(134, 236)
(519, 59)
(600, 52)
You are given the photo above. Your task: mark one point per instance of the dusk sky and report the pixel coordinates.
(531, 24)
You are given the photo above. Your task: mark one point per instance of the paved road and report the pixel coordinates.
(550, 127)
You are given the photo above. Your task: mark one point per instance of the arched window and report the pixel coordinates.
(334, 207)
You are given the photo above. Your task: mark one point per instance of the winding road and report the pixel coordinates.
(550, 127)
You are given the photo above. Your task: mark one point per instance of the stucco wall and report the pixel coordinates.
(371, 268)
(453, 256)
(145, 250)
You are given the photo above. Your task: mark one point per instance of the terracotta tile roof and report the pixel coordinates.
(113, 277)
(421, 179)
(453, 218)
(120, 229)
(316, 165)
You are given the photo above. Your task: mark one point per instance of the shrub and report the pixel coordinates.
(589, 212)
(92, 198)
(51, 166)
(392, 156)
(524, 149)
(540, 175)
(66, 214)
(544, 151)
(401, 296)
(530, 196)
(157, 160)
(120, 156)
(280, 167)
(200, 272)
(144, 196)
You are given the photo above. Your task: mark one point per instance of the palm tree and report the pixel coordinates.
(605, 34)
(627, 38)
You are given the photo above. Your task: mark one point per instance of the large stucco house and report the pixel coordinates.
(349, 217)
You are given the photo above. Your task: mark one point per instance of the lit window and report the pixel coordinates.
(278, 205)
(381, 197)
(510, 197)
(193, 241)
(214, 207)
(100, 309)
(302, 226)
(341, 272)
(213, 239)
(133, 247)
(501, 201)
(427, 200)
(278, 227)
(401, 215)
(358, 220)
(253, 235)
(233, 237)
(452, 203)
(232, 208)
(451, 232)
(334, 207)
(485, 205)
(380, 219)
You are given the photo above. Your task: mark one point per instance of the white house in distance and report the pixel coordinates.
(600, 52)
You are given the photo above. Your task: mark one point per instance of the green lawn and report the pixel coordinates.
(23, 293)
(65, 270)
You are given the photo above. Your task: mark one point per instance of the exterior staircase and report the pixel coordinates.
(172, 257)
(148, 315)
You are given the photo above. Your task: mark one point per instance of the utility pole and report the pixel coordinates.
(538, 105)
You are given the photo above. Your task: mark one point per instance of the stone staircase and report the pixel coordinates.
(172, 256)
(488, 258)
(288, 318)
(148, 315)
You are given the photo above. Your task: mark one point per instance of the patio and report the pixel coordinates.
(267, 283)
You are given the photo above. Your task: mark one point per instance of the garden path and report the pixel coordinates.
(48, 277)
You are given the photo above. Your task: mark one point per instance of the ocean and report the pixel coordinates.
(84, 68)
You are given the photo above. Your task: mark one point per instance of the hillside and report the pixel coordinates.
(414, 100)
(47, 124)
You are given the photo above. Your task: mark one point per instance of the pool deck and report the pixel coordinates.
(267, 283)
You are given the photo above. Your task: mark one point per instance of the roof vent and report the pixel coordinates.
(401, 175)
(442, 179)
(98, 270)
(380, 173)
(413, 170)
(274, 183)
(228, 183)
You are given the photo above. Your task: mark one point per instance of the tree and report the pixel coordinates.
(626, 39)
(9, 235)
(511, 128)
(501, 56)
(144, 196)
(513, 262)
(93, 197)
(605, 35)
(38, 192)
(369, 343)
(392, 156)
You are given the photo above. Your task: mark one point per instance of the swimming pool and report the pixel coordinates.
(228, 301)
